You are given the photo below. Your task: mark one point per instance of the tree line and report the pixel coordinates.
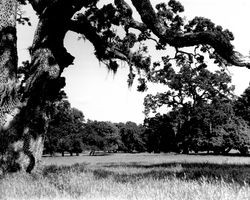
(69, 132)
(201, 113)
(215, 126)
(204, 112)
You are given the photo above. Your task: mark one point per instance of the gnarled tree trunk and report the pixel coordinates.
(24, 119)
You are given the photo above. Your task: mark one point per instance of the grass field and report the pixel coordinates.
(133, 176)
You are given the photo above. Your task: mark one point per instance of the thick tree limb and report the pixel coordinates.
(150, 20)
(215, 39)
(126, 12)
(149, 17)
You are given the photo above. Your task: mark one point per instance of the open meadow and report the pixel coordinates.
(133, 176)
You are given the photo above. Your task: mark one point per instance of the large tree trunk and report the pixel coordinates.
(24, 119)
(9, 98)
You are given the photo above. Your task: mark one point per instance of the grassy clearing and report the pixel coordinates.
(137, 176)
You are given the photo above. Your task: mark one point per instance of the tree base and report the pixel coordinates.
(21, 158)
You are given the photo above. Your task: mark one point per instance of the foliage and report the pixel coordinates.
(187, 85)
(101, 136)
(214, 127)
(64, 129)
(131, 137)
(159, 134)
(67, 132)
(242, 105)
(201, 103)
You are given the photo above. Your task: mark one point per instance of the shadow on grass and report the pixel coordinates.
(132, 172)
(53, 170)
(230, 173)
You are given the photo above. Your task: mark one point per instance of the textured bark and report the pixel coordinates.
(21, 145)
(8, 60)
(48, 59)
(9, 98)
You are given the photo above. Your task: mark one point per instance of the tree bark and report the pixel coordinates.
(25, 117)
(8, 62)
(48, 59)
(9, 98)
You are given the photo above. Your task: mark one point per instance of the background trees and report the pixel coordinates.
(213, 125)
(64, 129)
(201, 103)
(67, 135)
(131, 137)
(242, 105)
(102, 136)
(159, 134)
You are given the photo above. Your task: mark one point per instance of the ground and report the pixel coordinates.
(133, 176)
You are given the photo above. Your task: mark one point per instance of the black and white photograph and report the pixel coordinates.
(124, 100)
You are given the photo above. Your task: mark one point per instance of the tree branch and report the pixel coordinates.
(126, 12)
(40, 5)
(84, 27)
(213, 38)
(150, 20)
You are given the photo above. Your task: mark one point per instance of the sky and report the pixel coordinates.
(103, 96)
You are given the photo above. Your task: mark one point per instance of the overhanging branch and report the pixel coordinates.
(84, 27)
(215, 39)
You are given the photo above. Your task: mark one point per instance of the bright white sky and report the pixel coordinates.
(103, 96)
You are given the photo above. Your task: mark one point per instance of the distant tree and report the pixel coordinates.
(77, 126)
(235, 134)
(159, 134)
(131, 137)
(188, 85)
(111, 135)
(228, 128)
(191, 89)
(76, 145)
(100, 135)
(64, 129)
(214, 127)
(242, 105)
(59, 112)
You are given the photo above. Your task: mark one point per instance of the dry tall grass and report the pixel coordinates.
(174, 180)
